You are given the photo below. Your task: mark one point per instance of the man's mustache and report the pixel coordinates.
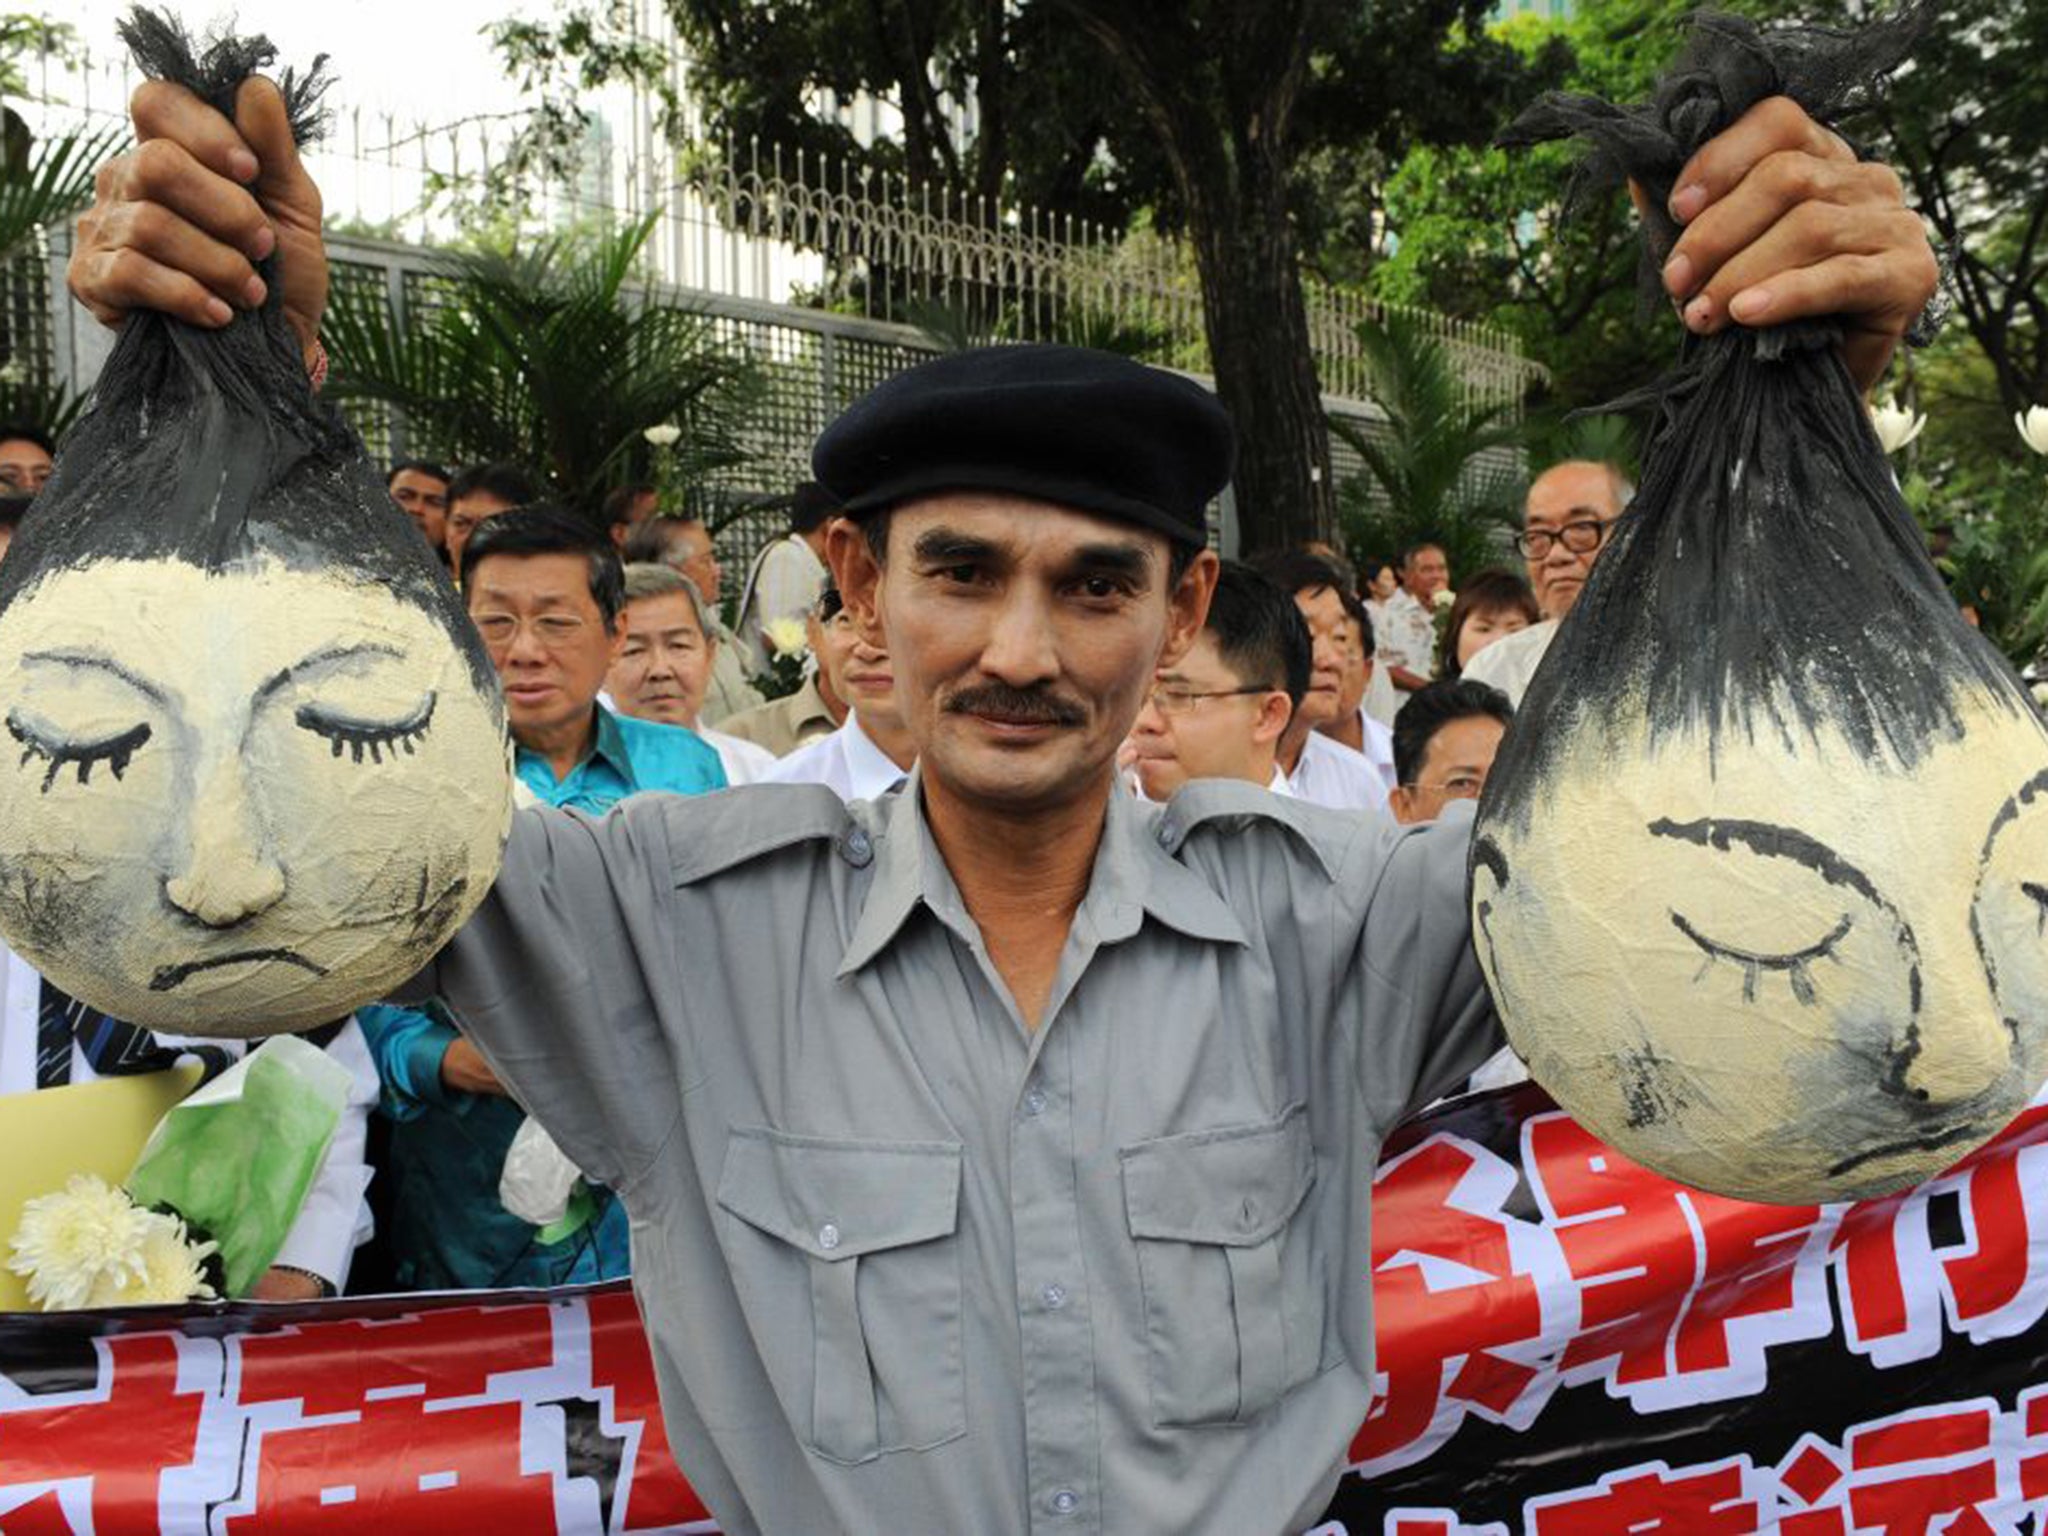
(1016, 706)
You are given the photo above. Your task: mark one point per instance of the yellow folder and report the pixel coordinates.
(96, 1127)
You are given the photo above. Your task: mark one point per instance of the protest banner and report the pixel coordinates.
(1567, 1344)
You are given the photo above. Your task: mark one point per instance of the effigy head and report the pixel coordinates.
(1760, 877)
(259, 768)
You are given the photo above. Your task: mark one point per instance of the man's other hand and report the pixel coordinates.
(1782, 222)
(178, 223)
(463, 1068)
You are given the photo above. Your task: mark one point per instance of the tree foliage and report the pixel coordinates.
(1967, 127)
(546, 357)
(1485, 234)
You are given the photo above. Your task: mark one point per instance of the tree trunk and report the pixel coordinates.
(1220, 98)
(1256, 321)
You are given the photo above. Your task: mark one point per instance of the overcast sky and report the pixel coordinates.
(420, 59)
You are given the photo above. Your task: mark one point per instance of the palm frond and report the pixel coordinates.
(55, 182)
(548, 356)
(53, 407)
(1433, 469)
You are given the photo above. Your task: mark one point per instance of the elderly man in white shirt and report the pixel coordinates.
(1355, 725)
(872, 751)
(1566, 518)
(665, 663)
(50, 1040)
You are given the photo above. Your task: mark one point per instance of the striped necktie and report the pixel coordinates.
(113, 1048)
(53, 1038)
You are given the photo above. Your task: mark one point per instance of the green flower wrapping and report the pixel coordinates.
(237, 1158)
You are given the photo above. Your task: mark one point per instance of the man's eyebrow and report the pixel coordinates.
(1114, 559)
(326, 656)
(1773, 842)
(99, 663)
(947, 546)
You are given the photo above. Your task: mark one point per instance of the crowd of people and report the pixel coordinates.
(629, 667)
(997, 1153)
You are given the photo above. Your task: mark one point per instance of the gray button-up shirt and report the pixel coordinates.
(908, 1267)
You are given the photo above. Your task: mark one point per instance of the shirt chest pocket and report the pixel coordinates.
(1234, 1300)
(848, 1270)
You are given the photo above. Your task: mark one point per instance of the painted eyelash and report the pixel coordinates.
(114, 751)
(359, 736)
(1796, 965)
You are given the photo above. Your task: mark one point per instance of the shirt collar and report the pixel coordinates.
(1133, 878)
(607, 744)
(870, 773)
(610, 745)
(808, 704)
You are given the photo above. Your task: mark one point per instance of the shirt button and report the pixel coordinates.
(1064, 1501)
(1054, 1296)
(1035, 1102)
(828, 1237)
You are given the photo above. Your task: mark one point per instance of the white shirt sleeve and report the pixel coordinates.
(335, 1217)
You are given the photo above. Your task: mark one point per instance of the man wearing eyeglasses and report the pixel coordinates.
(1566, 520)
(1220, 711)
(1445, 738)
(545, 590)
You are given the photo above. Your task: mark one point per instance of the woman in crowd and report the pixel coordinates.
(1491, 606)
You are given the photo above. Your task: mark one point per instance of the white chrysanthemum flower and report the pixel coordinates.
(788, 636)
(667, 435)
(1443, 598)
(170, 1270)
(74, 1243)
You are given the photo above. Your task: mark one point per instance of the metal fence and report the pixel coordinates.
(895, 250)
(814, 269)
(813, 363)
(747, 221)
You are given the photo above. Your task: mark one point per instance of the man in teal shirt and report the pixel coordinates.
(546, 591)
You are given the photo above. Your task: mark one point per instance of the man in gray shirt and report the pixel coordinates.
(999, 1154)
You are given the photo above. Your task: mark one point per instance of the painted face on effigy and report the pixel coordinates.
(1838, 999)
(241, 799)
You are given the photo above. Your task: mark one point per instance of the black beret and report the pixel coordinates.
(810, 506)
(1086, 430)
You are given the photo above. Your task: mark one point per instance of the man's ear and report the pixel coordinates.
(857, 575)
(1188, 606)
(618, 636)
(1402, 804)
(1271, 722)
